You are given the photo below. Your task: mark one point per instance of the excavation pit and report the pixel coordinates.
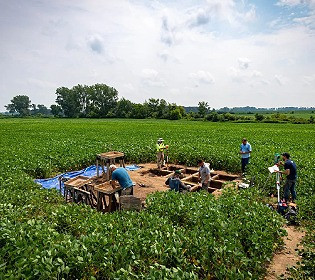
(97, 191)
(189, 176)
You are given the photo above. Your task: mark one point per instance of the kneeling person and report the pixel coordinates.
(121, 175)
(175, 183)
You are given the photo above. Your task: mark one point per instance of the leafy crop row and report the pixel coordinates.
(177, 237)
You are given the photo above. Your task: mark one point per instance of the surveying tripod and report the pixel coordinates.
(278, 177)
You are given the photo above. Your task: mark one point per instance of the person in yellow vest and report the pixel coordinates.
(160, 148)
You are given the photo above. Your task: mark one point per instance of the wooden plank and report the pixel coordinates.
(110, 155)
(188, 178)
(215, 177)
(195, 188)
(211, 189)
(106, 191)
(81, 191)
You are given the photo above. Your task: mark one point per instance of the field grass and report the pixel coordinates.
(41, 237)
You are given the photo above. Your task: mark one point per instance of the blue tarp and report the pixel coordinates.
(53, 183)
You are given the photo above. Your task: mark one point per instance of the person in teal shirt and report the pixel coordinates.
(245, 151)
(121, 175)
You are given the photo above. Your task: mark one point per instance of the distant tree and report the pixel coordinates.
(224, 110)
(191, 115)
(81, 93)
(101, 100)
(175, 114)
(311, 119)
(69, 101)
(228, 117)
(259, 117)
(33, 109)
(139, 111)
(19, 104)
(56, 110)
(153, 107)
(123, 108)
(162, 110)
(203, 108)
(213, 116)
(42, 109)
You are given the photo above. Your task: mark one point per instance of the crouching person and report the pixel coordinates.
(121, 175)
(175, 183)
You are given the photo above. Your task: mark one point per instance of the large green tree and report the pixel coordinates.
(69, 101)
(203, 108)
(139, 111)
(123, 108)
(19, 104)
(101, 100)
(56, 110)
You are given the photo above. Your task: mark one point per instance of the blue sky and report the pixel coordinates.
(227, 52)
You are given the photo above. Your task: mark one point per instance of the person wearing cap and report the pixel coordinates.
(204, 174)
(160, 148)
(121, 175)
(245, 151)
(290, 170)
(175, 183)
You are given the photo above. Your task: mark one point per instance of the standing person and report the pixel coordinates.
(204, 175)
(175, 183)
(245, 151)
(121, 175)
(160, 148)
(290, 171)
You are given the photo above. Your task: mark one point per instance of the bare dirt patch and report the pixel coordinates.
(147, 183)
(288, 256)
(148, 179)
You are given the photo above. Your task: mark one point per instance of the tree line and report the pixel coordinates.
(96, 101)
(102, 101)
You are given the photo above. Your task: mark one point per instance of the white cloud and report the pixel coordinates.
(281, 80)
(198, 17)
(295, 2)
(202, 77)
(164, 55)
(250, 15)
(149, 74)
(257, 74)
(222, 11)
(308, 21)
(150, 49)
(309, 80)
(96, 44)
(243, 62)
(151, 77)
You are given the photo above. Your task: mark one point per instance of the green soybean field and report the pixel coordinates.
(191, 236)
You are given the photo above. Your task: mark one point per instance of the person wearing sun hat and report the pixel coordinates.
(160, 148)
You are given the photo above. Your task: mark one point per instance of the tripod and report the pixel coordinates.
(278, 177)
